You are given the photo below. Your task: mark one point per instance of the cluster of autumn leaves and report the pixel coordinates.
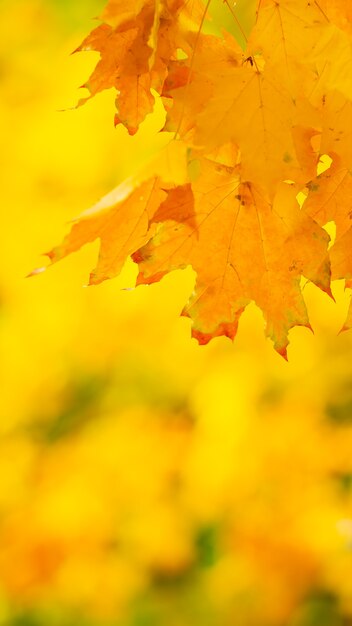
(144, 480)
(237, 193)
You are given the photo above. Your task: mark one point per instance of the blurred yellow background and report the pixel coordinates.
(147, 481)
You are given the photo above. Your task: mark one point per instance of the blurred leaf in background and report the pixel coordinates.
(146, 480)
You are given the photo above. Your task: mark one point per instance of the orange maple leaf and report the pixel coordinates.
(243, 247)
(136, 43)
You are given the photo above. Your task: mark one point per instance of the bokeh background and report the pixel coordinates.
(144, 480)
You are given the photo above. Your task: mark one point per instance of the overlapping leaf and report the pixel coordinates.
(243, 247)
(136, 42)
(122, 220)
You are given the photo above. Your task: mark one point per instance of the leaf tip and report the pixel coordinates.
(226, 329)
(282, 351)
(36, 271)
(309, 327)
(95, 279)
(344, 328)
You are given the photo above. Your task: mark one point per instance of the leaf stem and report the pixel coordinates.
(191, 66)
(232, 11)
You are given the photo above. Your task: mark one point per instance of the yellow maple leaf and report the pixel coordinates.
(122, 219)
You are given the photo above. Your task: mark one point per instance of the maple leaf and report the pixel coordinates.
(330, 199)
(136, 42)
(242, 247)
(286, 33)
(122, 220)
(249, 128)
